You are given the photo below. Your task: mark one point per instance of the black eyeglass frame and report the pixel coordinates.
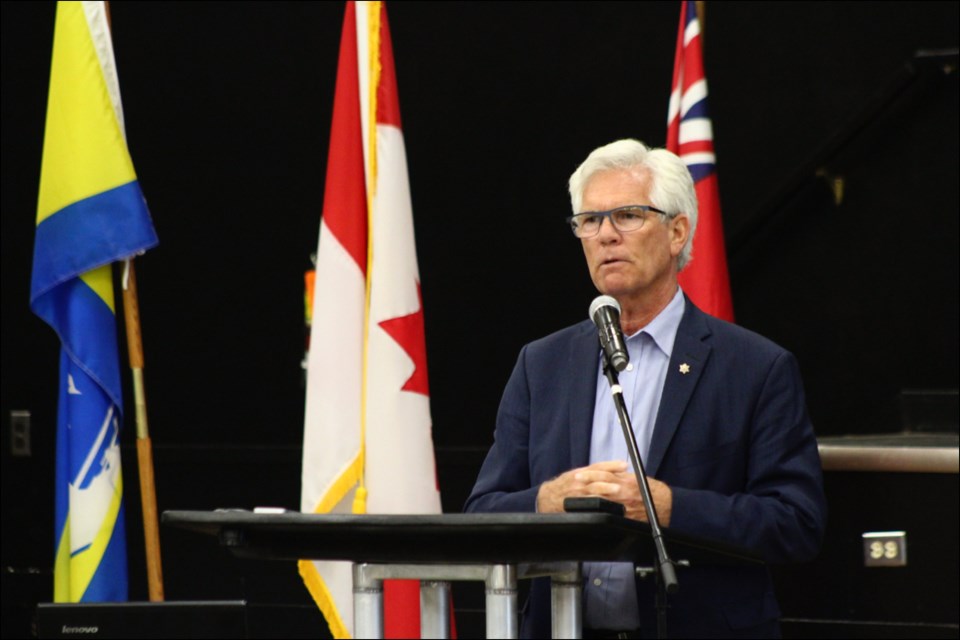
(609, 214)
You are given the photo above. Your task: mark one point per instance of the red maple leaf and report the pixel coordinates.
(407, 331)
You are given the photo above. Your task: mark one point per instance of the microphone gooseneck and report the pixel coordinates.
(605, 313)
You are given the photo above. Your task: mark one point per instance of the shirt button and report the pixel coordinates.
(597, 582)
(629, 366)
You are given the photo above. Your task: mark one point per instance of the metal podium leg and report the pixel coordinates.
(566, 591)
(367, 603)
(434, 609)
(501, 587)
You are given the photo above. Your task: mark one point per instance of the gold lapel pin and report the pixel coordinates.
(684, 368)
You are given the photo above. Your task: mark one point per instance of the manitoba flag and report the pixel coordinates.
(367, 444)
(690, 136)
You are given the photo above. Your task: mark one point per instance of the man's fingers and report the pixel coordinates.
(587, 476)
(600, 471)
(614, 466)
(602, 489)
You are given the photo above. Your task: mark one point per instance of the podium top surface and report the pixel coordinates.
(892, 452)
(449, 538)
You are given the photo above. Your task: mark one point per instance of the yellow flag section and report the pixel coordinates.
(367, 435)
(84, 149)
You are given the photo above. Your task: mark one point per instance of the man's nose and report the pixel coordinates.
(607, 231)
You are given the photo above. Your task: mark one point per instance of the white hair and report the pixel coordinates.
(671, 183)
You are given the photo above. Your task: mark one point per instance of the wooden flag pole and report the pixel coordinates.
(148, 491)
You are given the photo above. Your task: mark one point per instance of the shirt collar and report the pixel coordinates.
(663, 328)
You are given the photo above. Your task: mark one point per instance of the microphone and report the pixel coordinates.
(605, 313)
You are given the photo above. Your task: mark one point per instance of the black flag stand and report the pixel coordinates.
(666, 575)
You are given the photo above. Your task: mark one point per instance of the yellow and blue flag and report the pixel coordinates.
(90, 214)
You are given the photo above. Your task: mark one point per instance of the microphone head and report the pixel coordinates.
(603, 301)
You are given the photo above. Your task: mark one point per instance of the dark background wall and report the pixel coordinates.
(228, 110)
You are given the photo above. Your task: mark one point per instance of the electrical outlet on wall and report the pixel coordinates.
(20, 433)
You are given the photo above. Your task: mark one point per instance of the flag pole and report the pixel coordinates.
(148, 488)
(148, 491)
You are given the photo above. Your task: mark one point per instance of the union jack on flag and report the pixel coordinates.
(690, 136)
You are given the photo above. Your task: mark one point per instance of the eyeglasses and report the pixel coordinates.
(624, 219)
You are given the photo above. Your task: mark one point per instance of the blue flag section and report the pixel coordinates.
(91, 554)
(90, 214)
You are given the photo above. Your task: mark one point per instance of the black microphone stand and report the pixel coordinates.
(666, 575)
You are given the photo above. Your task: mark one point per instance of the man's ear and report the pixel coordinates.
(679, 232)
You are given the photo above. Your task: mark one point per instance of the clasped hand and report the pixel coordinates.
(612, 480)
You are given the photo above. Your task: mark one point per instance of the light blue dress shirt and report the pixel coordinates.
(610, 593)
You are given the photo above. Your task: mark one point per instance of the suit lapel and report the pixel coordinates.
(689, 358)
(584, 354)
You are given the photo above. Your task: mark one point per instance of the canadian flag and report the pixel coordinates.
(367, 445)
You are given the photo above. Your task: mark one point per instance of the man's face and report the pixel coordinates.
(626, 265)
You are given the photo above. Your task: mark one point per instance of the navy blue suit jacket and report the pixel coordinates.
(732, 439)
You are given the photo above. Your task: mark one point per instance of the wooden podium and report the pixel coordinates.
(497, 549)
